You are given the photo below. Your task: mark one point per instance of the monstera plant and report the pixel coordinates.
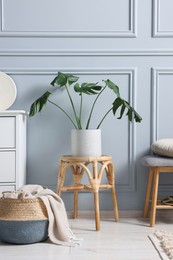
(71, 83)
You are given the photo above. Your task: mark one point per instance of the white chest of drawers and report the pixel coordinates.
(12, 149)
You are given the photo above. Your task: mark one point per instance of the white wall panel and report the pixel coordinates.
(125, 157)
(57, 18)
(162, 105)
(162, 18)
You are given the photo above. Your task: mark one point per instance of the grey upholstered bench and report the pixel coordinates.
(156, 165)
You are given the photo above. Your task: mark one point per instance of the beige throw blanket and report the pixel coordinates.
(58, 229)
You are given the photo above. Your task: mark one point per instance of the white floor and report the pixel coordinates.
(127, 240)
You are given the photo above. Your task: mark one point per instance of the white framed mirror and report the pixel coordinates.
(8, 91)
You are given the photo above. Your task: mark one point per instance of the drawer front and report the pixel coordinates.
(7, 188)
(7, 132)
(7, 166)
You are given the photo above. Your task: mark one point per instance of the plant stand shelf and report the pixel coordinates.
(94, 167)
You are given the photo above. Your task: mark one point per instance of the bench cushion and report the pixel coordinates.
(153, 160)
(163, 147)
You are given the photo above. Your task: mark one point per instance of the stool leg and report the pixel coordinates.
(77, 176)
(148, 193)
(75, 212)
(154, 197)
(111, 181)
(60, 181)
(114, 199)
(97, 210)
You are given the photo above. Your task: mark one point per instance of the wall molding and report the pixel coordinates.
(131, 185)
(85, 52)
(154, 105)
(155, 73)
(77, 70)
(131, 33)
(157, 32)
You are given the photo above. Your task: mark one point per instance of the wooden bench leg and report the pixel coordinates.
(154, 197)
(148, 193)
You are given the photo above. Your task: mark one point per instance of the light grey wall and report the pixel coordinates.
(127, 41)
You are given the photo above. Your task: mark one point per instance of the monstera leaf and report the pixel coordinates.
(87, 88)
(112, 86)
(39, 104)
(124, 105)
(61, 79)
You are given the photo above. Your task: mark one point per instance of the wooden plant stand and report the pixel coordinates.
(79, 166)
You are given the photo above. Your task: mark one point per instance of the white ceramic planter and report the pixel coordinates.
(86, 142)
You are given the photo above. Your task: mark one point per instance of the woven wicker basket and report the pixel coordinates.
(23, 221)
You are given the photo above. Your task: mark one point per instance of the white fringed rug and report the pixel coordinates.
(163, 242)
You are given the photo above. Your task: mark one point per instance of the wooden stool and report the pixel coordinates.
(156, 165)
(79, 165)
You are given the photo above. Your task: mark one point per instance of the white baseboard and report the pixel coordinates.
(166, 213)
(108, 214)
